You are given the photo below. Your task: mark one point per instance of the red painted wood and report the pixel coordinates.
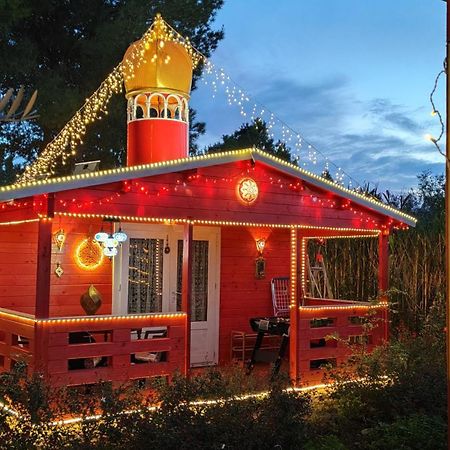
(44, 249)
(213, 197)
(156, 140)
(66, 291)
(18, 244)
(118, 350)
(186, 296)
(241, 295)
(383, 275)
(294, 334)
(342, 328)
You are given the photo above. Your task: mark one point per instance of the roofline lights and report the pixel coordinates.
(359, 232)
(175, 162)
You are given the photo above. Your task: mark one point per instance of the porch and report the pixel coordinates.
(119, 345)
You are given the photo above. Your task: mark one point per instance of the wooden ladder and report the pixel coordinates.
(319, 283)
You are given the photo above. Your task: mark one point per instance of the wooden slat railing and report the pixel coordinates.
(322, 318)
(118, 348)
(16, 339)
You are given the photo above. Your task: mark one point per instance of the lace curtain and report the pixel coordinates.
(145, 275)
(199, 306)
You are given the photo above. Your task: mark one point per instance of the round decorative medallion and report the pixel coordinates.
(89, 254)
(247, 190)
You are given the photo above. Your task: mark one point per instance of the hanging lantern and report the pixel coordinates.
(110, 242)
(59, 237)
(101, 236)
(120, 236)
(260, 245)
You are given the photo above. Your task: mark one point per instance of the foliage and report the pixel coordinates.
(278, 419)
(398, 386)
(331, 442)
(417, 274)
(65, 50)
(254, 134)
(412, 432)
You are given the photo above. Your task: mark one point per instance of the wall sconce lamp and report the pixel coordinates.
(260, 262)
(59, 238)
(260, 245)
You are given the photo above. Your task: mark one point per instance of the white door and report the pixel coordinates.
(148, 278)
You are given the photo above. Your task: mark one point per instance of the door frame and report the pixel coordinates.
(160, 231)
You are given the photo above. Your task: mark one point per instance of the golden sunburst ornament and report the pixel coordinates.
(247, 191)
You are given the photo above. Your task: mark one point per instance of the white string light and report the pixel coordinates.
(303, 152)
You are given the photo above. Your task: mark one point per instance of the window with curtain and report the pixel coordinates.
(145, 275)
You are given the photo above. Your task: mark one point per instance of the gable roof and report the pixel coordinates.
(58, 184)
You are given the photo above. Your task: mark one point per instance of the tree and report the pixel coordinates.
(254, 134)
(65, 50)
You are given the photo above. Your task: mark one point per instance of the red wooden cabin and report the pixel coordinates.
(184, 280)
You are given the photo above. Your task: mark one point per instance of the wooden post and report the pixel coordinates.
(294, 312)
(447, 213)
(383, 275)
(42, 301)
(186, 291)
(44, 256)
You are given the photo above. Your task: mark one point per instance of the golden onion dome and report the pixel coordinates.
(159, 65)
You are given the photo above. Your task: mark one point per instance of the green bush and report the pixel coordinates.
(325, 443)
(413, 432)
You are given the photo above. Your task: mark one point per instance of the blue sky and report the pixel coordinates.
(352, 76)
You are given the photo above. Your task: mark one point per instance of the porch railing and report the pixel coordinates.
(17, 338)
(83, 350)
(353, 324)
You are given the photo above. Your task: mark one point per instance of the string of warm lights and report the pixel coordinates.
(304, 153)
(293, 267)
(18, 222)
(143, 188)
(174, 221)
(303, 247)
(95, 106)
(128, 317)
(144, 168)
(314, 308)
(435, 112)
(193, 404)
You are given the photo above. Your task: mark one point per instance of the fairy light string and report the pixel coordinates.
(65, 144)
(67, 140)
(304, 153)
(435, 112)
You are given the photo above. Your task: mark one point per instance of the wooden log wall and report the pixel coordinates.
(242, 296)
(67, 290)
(18, 258)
